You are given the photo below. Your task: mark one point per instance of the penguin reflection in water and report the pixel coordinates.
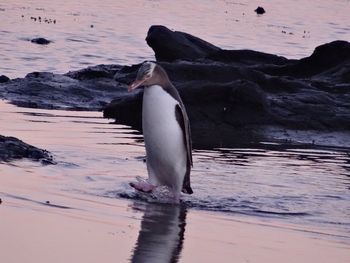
(166, 133)
(161, 235)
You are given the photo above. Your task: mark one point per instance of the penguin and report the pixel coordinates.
(166, 132)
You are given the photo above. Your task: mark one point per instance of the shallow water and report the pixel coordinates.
(91, 32)
(309, 188)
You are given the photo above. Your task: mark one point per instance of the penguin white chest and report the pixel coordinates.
(164, 138)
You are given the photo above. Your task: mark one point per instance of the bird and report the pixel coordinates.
(166, 131)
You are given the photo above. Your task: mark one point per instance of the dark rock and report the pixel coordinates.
(231, 96)
(247, 57)
(169, 46)
(4, 79)
(12, 148)
(88, 89)
(324, 58)
(260, 10)
(101, 71)
(172, 45)
(40, 41)
(244, 95)
(126, 109)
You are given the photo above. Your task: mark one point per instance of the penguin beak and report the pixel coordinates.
(137, 83)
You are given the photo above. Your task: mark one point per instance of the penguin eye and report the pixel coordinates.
(148, 74)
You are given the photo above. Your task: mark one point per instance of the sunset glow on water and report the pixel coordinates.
(113, 32)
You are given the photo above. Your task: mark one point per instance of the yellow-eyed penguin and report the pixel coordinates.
(166, 132)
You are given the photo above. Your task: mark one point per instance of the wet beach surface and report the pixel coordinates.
(265, 201)
(298, 185)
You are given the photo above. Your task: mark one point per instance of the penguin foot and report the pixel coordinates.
(143, 186)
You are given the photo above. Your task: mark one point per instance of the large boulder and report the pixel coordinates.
(172, 45)
(242, 95)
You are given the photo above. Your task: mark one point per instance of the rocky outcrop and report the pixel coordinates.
(231, 96)
(333, 56)
(88, 89)
(235, 96)
(171, 45)
(12, 148)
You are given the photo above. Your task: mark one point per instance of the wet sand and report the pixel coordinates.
(71, 212)
(112, 230)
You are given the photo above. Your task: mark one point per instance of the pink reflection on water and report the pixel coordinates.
(289, 28)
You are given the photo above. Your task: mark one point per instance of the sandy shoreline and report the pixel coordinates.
(82, 223)
(97, 229)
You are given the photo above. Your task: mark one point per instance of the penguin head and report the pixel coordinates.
(149, 74)
(146, 70)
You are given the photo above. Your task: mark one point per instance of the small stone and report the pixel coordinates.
(40, 41)
(260, 10)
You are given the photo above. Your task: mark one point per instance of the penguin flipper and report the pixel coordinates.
(182, 119)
